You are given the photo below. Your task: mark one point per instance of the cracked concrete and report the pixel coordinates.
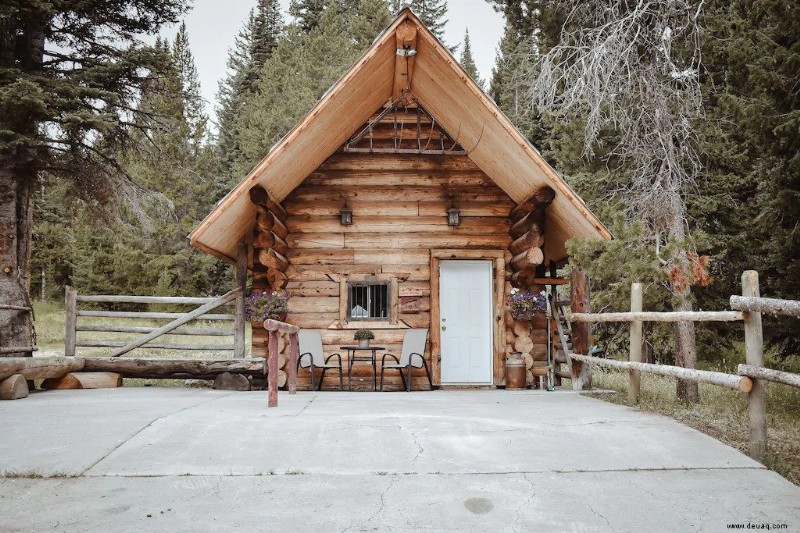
(186, 459)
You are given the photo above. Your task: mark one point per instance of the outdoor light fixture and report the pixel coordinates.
(346, 215)
(453, 214)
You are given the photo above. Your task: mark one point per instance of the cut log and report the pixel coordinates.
(533, 221)
(270, 240)
(522, 328)
(523, 279)
(523, 344)
(277, 279)
(260, 197)
(273, 260)
(14, 387)
(235, 382)
(85, 380)
(282, 378)
(527, 260)
(174, 368)
(39, 367)
(532, 239)
(64, 382)
(540, 199)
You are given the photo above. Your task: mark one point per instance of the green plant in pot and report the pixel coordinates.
(363, 336)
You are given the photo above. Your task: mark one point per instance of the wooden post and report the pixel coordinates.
(272, 369)
(754, 355)
(635, 353)
(71, 310)
(294, 353)
(239, 312)
(581, 332)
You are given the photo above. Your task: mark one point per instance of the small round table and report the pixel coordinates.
(353, 358)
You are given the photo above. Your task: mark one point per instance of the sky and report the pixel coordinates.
(212, 26)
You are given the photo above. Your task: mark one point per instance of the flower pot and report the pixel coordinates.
(363, 343)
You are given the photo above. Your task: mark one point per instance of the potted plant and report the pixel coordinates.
(525, 305)
(263, 305)
(363, 336)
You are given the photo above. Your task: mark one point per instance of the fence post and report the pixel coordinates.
(581, 332)
(754, 355)
(635, 352)
(272, 369)
(71, 311)
(239, 311)
(294, 352)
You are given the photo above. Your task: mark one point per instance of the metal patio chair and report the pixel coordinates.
(310, 341)
(411, 356)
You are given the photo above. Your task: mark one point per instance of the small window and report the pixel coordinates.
(369, 301)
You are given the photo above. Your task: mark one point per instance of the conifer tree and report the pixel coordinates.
(67, 93)
(432, 13)
(194, 106)
(307, 13)
(468, 62)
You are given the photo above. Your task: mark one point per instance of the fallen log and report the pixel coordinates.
(39, 367)
(84, 380)
(174, 368)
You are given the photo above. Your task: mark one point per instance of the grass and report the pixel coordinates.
(50, 323)
(721, 413)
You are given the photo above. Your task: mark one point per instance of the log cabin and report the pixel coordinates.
(405, 199)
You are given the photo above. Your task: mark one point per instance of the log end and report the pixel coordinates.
(745, 384)
(14, 388)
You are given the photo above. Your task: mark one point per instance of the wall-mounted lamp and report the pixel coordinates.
(346, 215)
(453, 214)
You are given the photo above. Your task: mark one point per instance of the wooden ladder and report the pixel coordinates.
(564, 353)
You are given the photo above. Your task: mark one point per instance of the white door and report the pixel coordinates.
(465, 303)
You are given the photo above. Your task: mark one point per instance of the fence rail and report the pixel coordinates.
(176, 326)
(751, 377)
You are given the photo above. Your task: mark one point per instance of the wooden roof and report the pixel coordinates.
(440, 84)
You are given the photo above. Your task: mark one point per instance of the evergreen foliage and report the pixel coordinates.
(432, 13)
(468, 62)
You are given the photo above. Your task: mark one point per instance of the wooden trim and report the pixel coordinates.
(497, 257)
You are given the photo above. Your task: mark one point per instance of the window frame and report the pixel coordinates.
(369, 283)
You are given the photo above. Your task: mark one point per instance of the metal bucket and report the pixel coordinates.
(515, 373)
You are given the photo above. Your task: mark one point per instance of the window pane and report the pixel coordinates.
(369, 301)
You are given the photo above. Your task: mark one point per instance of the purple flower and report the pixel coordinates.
(524, 305)
(266, 305)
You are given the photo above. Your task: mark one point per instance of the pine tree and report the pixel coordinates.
(194, 108)
(307, 13)
(63, 109)
(432, 13)
(468, 62)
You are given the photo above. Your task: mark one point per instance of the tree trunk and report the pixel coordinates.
(685, 342)
(18, 176)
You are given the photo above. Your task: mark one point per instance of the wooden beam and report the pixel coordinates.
(540, 199)
(657, 316)
(635, 349)
(776, 376)
(14, 387)
(533, 238)
(39, 367)
(766, 305)
(406, 44)
(174, 368)
(240, 311)
(740, 383)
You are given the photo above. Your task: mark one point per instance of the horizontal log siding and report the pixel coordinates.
(399, 207)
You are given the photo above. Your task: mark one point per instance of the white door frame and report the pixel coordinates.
(498, 324)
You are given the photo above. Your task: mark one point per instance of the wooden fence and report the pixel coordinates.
(235, 323)
(751, 376)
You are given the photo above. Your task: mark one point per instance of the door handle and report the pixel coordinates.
(444, 328)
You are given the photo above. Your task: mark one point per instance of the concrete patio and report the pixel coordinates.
(191, 459)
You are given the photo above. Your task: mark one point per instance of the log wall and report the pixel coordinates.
(399, 207)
